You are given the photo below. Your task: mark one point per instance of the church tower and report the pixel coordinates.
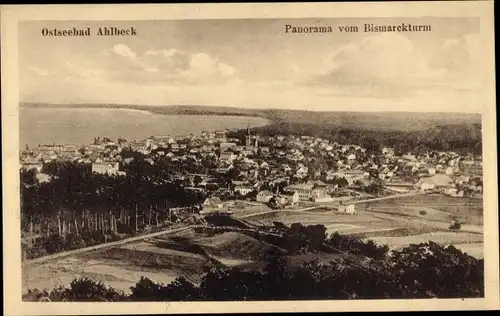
(247, 137)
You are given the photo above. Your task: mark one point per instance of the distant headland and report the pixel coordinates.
(339, 119)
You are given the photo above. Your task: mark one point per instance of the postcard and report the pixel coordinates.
(213, 158)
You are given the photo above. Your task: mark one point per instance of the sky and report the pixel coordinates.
(253, 63)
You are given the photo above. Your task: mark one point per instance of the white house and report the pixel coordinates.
(110, 168)
(347, 209)
(388, 151)
(424, 186)
(323, 199)
(243, 190)
(29, 166)
(213, 202)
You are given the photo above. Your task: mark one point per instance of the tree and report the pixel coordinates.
(87, 290)
(28, 177)
(230, 284)
(432, 270)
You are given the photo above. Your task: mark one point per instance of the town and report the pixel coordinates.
(285, 171)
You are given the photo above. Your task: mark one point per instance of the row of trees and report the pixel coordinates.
(427, 270)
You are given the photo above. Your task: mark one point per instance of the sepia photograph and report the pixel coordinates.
(267, 159)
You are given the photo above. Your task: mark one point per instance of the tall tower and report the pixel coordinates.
(247, 137)
(256, 141)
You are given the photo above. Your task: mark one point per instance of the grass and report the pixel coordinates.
(433, 207)
(399, 232)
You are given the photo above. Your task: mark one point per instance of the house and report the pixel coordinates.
(290, 197)
(286, 168)
(264, 165)
(220, 135)
(43, 177)
(462, 179)
(224, 169)
(301, 172)
(109, 168)
(135, 145)
(472, 169)
(243, 190)
(410, 157)
(449, 171)
(303, 190)
(425, 186)
(436, 181)
(323, 199)
(388, 151)
(50, 148)
(224, 146)
(213, 202)
(264, 150)
(454, 192)
(227, 156)
(318, 192)
(264, 196)
(347, 209)
(32, 166)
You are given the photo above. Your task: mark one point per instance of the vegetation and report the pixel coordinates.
(427, 270)
(461, 138)
(355, 245)
(78, 208)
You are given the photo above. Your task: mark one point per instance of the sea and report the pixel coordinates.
(80, 126)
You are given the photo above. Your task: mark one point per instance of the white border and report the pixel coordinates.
(11, 15)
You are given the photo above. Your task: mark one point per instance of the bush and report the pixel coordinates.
(34, 295)
(432, 270)
(87, 290)
(355, 245)
(423, 213)
(146, 290)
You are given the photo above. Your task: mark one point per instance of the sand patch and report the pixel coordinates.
(445, 238)
(475, 250)
(149, 247)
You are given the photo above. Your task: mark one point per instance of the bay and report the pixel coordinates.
(81, 125)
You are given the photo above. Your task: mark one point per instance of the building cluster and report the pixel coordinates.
(281, 170)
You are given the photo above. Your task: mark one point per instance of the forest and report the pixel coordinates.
(426, 270)
(78, 208)
(463, 139)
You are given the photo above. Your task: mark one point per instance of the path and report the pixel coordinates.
(139, 238)
(104, 245)
(323, 205)
(387, 197)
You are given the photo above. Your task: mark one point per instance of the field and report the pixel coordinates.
(397, 223)
(433, 207)
(401, 221)
(161, 259)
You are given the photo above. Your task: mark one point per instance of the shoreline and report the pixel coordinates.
(160, 109)
(217, 109)
(79, 119)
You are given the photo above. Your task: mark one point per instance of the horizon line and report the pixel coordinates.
(241, 108)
